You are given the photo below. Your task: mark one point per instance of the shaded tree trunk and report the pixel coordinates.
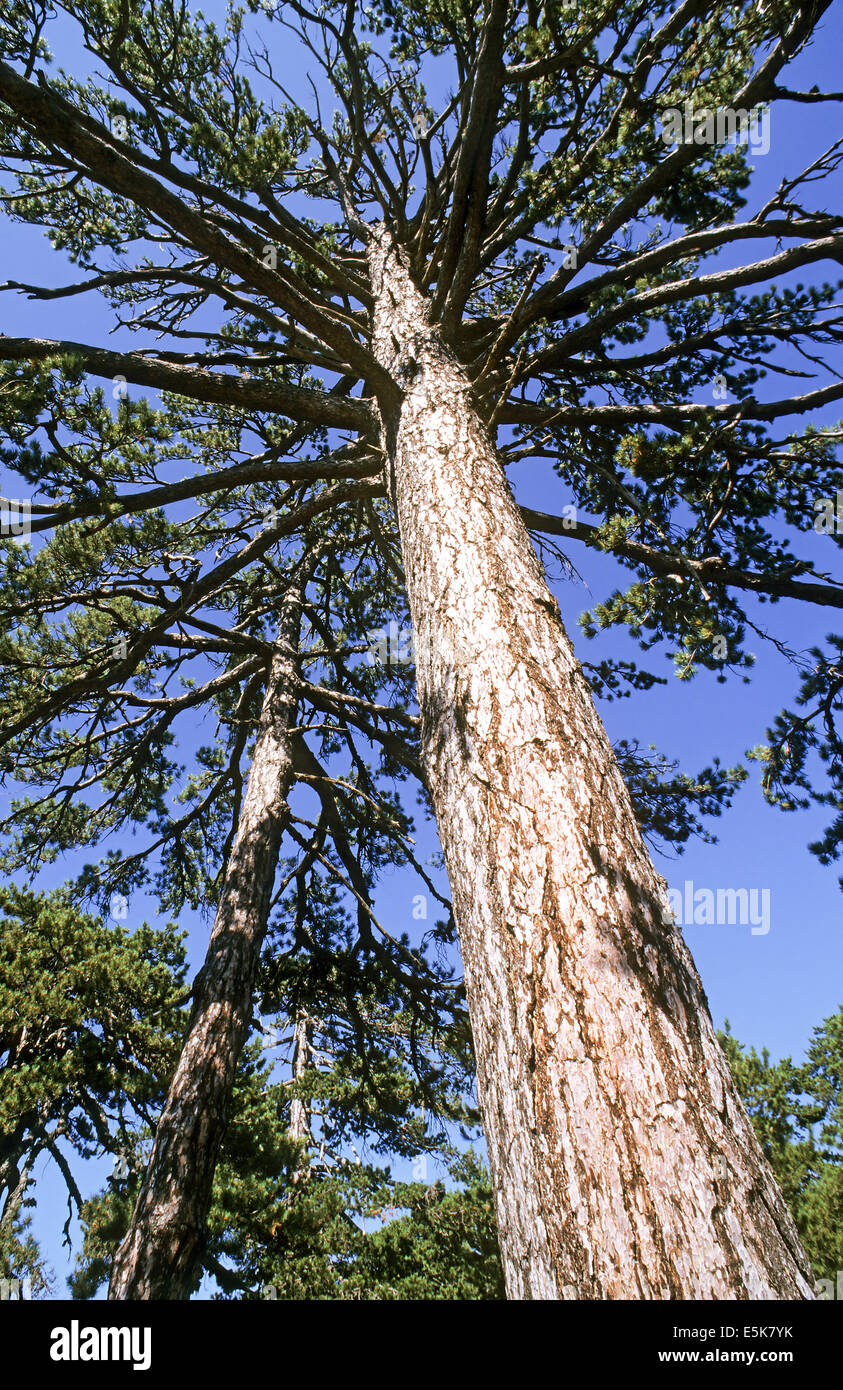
(159, 1255)
(623, 1161)
(14, 1181)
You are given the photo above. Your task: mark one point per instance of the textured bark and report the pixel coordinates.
(623, 1161)
(158, 1257)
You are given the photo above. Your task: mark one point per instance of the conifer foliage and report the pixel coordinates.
(358, 262)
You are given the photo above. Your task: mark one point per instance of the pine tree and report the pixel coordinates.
(90, 1027)
(302, 1205)
(797, 1114)
(447, 328)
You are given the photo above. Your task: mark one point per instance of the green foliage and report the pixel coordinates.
(90, 1030)
(445, 1247)
(669, 804)
(296, 1219)
(223, 220)
(797, 1113)
(289, 1225)
(803, 742)
(571, 151)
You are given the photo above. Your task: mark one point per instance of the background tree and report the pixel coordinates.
(271, 1236)
(100, 750)
(796, 1111)
(89, 1030)
(298, 1203)
(108, 766)
(456, 314)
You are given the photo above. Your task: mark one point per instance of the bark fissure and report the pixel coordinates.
(623, 1161)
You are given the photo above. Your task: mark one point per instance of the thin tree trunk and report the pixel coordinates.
(623, 1161)
(158, 1257)
(13, 1181)
(299, 1111)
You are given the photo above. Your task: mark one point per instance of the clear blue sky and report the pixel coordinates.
(774, 988)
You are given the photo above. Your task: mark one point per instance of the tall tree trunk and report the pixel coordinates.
(299, 1110)
(159, 1255)
(623, 1161)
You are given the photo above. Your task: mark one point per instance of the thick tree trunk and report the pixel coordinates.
(623, 1161)
(159, 1255)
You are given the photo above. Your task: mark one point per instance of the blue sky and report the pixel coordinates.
(774, 988)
